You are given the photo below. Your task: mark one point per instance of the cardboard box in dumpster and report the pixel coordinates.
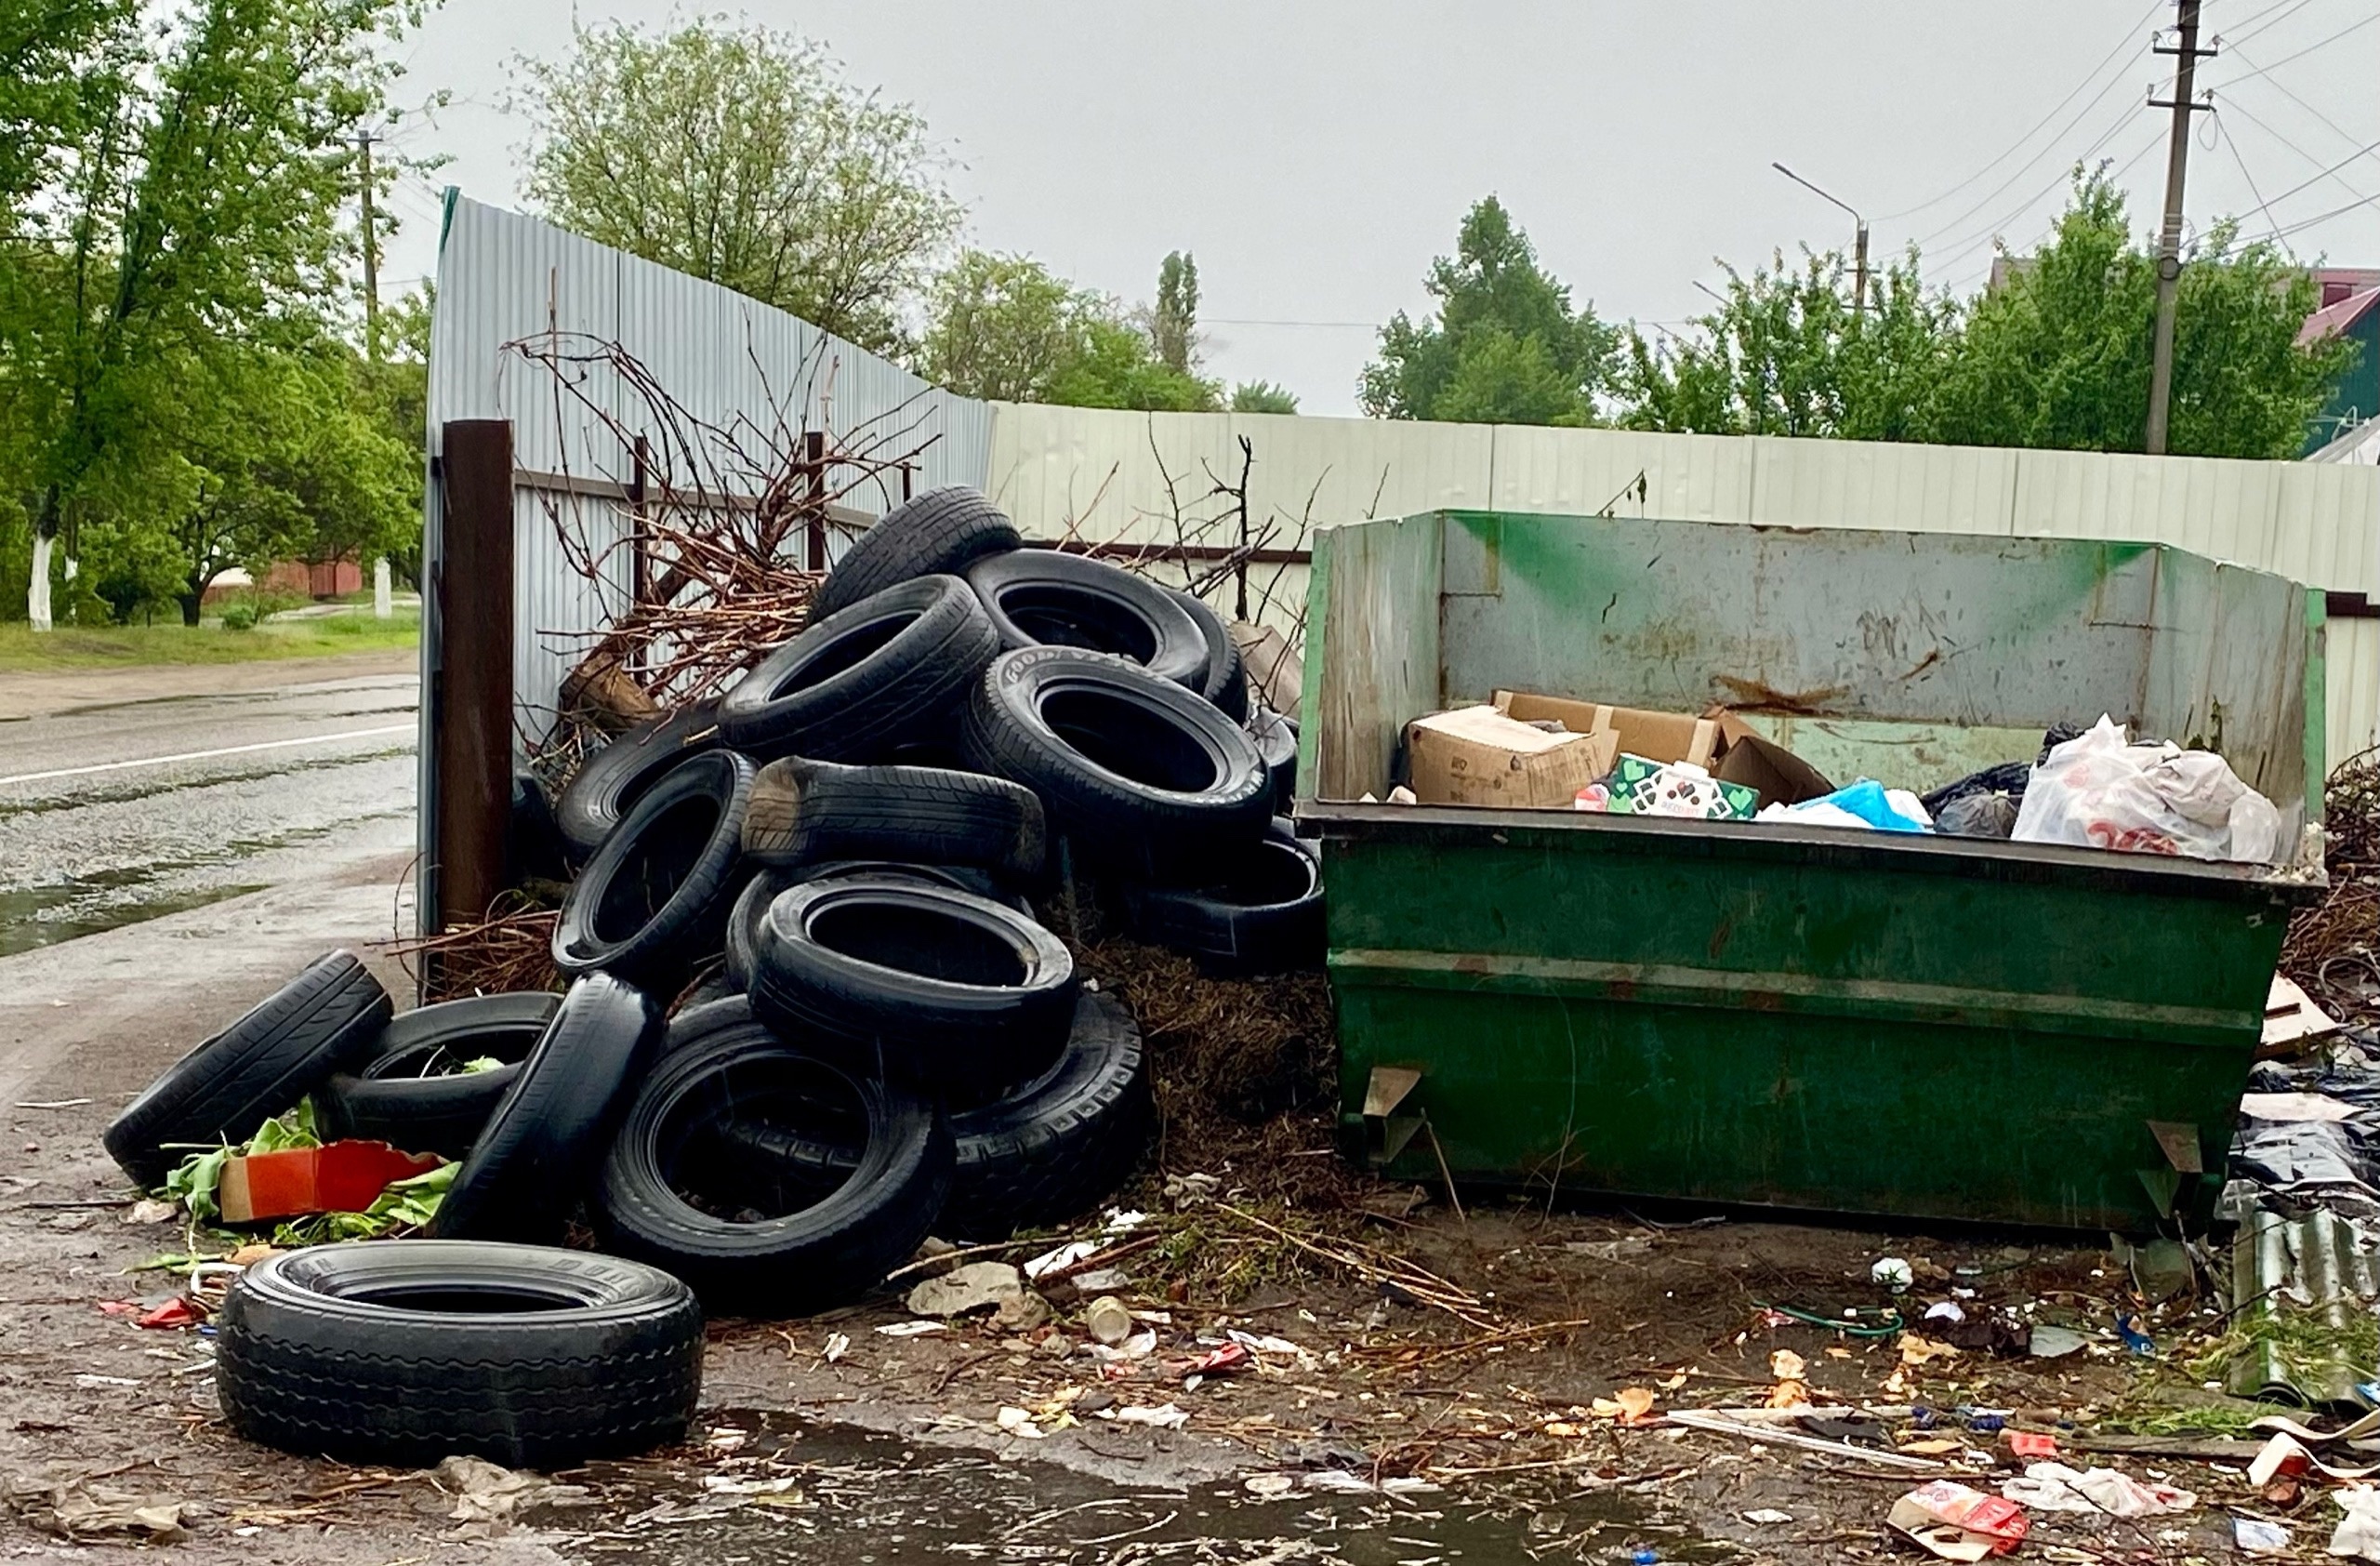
(1721, 743)
(1640, 786)
(1475, 755)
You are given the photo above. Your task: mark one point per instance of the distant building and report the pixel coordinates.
(2350, 308)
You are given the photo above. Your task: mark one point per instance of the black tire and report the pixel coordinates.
(805, 811)
(410, 1352)
(1143, 776)
(1044, 598)
(1276, 743)
(534, 849)
(886, 672)
(413, 1095)
(532, 1159)
(1033, 1158)
(938, 989)
(322, 1021)
(1224, 682)
(747, 1239)
(653, 900)
(743, 919)
(939, 532)
(613, 778)
(1260, 914)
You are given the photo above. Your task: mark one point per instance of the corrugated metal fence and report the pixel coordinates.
(1187, 482)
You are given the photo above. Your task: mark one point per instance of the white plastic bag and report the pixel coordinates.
(2099, 791)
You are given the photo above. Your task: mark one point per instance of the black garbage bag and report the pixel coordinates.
(2004, 778)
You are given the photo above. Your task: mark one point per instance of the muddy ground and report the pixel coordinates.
(1487, 1437)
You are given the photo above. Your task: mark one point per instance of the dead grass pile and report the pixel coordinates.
(510, 949)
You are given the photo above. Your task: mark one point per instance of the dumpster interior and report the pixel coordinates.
(1914, 659)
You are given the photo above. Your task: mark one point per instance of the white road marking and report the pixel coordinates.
(209, 755)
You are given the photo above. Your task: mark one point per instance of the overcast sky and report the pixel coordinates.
(1314, 156)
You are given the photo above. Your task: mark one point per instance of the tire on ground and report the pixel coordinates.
(322, 1021)
(653, 900)
(1036, 1156)
(1261, 913)
(1226, 680)
(541, 1144)
(613, 778)
(804, 811)
(408, 1353)
(1140, 774)
(934, 987)
(885, 672)
(413, 1092)
(939, 532)
(1045, 598)
(758, 1239)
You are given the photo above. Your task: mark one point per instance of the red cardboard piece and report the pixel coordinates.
(340, 1177)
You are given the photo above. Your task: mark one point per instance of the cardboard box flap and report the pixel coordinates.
(1659, 736)
(1781, 776)
(1476, 755)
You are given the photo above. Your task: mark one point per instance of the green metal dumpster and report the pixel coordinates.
(1805, 1017)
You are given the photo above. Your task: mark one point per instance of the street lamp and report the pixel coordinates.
(1859, 254)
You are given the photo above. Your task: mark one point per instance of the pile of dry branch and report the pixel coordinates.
(2333, 949)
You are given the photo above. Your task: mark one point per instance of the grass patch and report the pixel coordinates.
(80, 648)
(2308, 1349)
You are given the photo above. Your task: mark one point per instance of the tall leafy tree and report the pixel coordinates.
(1173, 320)
(1506, 347)
(1785, 353)
(202, 204)
(2059, 354)
(742, 155)
(1010, 329)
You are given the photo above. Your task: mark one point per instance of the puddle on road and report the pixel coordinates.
(86, 905)
(862, 1499)
(31, 919)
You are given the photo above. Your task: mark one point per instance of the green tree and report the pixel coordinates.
(742, 155)
(1786, 354)
(1262, 396)
(1506, 346)
(266, 456)
(199, 204)
(1002, 327)
(1007, 327)
(2058, 357)
(1173, 322)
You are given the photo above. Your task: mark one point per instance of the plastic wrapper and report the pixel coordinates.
(1987, 813)
(2101, 792)
(1864, 803)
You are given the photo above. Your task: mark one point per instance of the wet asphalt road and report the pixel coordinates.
(114, 815)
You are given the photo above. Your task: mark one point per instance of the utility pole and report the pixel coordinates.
(2169, 243)
(371, 254)
(1859, 250)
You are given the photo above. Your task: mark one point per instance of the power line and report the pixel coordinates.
(1991, 230)
(2054, 111)
(2235, 106)
(2329, 172)
(2292, 6)
(2303, 224)
(2263, 207)
(2018, 172)
(2261, 70)
(2282, 88)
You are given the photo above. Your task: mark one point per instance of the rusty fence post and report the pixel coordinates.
(473, 730)
(813, 459)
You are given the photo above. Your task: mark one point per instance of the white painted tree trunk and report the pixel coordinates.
(74, 569)
(383, 606)
(37, 591)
